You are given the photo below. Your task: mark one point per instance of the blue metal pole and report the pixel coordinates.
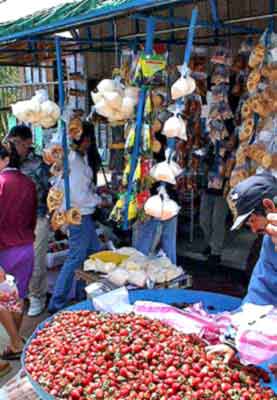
(271, 11)
(171, 143)
(191, 33)
(63, 126)
(150, 30)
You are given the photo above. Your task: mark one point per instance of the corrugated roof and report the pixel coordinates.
(66, 15)
(11, 10)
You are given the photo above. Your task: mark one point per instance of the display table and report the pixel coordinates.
(212, 302)
(91, 277)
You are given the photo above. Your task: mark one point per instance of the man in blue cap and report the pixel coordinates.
(252, 200)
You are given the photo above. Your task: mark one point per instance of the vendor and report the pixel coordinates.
(255, 201)
(83, 239)
(254, 198)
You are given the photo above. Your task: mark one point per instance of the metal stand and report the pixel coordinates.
(62, 125)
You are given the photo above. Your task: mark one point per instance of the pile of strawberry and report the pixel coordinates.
(85, 355)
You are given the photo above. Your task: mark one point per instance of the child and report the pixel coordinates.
(10, 316)
(9, 298)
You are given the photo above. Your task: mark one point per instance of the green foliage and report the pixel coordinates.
(8, 76)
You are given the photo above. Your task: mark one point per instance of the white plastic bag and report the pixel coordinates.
(128, 106)
(116, 301)
(153, 206)
(175, 127)
(106, 85)
(96, 97)
(49, 109)
(41, 96)
(162, 172)
(118, 277)
(161, 206)
(102, 108)
(114, 100)
(132, 92)
(182, 87)
(137, 278)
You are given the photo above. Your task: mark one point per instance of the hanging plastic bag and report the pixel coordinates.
(96, 97)
(132, 92)
(41, 95)
(114, 100)
(128, 106)
(175, 127)
(167, 170)
(183, 87)
(162, 172)
(161, 206)
(106, 85)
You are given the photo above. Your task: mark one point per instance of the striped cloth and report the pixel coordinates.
(256, 343)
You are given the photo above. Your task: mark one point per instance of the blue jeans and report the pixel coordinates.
(83, 241)
(148, 235)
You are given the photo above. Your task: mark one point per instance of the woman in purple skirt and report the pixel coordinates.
(17, 225)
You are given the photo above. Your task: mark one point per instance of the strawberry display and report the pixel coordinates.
(86, 355)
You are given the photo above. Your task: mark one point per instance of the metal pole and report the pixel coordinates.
(150, 29)
(271, 10)
(62, 122)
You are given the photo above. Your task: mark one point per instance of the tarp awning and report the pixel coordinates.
(61, 14)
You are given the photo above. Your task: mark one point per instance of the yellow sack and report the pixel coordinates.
(109, 257)
(152, 64)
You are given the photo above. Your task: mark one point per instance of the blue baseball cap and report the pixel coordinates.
(247, 196)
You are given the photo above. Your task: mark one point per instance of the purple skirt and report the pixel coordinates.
(19, 262)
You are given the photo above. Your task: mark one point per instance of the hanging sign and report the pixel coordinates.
(152, 64)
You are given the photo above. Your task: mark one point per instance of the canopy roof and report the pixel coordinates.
(48, 16)
(27, 27)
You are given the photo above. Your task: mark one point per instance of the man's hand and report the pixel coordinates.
(222, 349)
(271, 228)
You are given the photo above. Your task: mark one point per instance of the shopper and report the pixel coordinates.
(214, 207)
(83, 239)
(33, 166)
(17, 222)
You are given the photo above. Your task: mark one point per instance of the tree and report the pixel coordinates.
(8, 77)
